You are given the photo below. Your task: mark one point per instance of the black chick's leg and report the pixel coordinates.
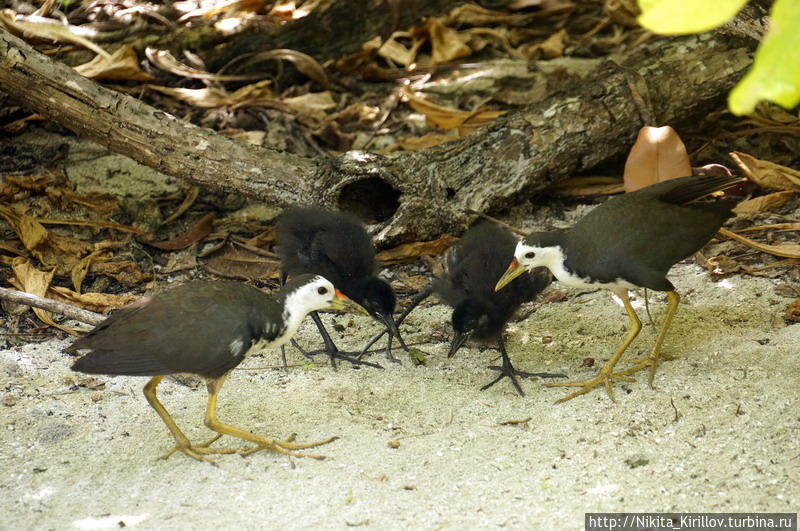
(507, 370)
(395, 333)
(332, 350)
(418, 298)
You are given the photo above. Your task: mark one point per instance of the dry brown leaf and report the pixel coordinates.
(235, 260)
(773, 226)
(523, 4)
(36, 282)
(446, 118)
(551, 48)
(446, 44)
(793, 311)
(125, 272)
(394, 50)
(764, 202)
(193, 234)
(164, 60)
(18, 126)
(303, 62)
(314, 105)
(411, 143)
(14, 247)
(786, 251)
(188, 201)
(412, 282)
(473, 15)
(46, 28)
(367, 115)
(582, 186)
(623, 12)
(479, 38)
(657, 155)
(182, 260)
(30, 232)
(722, 265)
(262, 240)
(408, 252)
(768, 174)
(121, 65)
(80, 270)
(206, 98)
(92, 223)
(96, 302)
(283, 10)
(215, 8)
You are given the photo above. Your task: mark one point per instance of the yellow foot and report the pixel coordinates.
(286, 447)
(652, 361)
(196, 451)
(588, 385)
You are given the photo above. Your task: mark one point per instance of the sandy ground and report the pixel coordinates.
(718, 433)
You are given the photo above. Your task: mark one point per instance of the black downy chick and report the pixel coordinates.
(336, 246)
(480, 312)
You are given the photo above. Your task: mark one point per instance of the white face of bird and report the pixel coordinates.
(528, 256)
(531, 256)
(319, 294)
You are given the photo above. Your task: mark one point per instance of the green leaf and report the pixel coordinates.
(775, 75)
(677, 17)
(418, 357)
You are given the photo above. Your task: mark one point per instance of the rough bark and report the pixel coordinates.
(579, 113)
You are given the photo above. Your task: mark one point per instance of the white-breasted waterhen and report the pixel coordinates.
(336, 246)
(629, 242)
(205, 328)
(480, 312)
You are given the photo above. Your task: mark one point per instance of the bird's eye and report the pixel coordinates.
(322, 291)
(530, 254)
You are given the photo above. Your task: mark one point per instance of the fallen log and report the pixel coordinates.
(579, 113)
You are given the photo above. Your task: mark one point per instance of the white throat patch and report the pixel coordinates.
(553, 259)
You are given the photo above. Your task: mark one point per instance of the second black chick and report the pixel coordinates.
(480, 312)
(336, 246)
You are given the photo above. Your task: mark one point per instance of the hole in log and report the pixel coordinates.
(372, 199)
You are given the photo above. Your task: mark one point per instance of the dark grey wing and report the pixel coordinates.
(108, 358)
(203, 328)
(688, 189)
(639, 236)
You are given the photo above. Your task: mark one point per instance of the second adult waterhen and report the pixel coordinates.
(629, 242)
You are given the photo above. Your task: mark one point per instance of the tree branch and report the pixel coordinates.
(67, 310)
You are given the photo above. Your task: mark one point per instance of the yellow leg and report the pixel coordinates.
(606, 375)
(264, 443)
(655, 356)
(182, 443)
